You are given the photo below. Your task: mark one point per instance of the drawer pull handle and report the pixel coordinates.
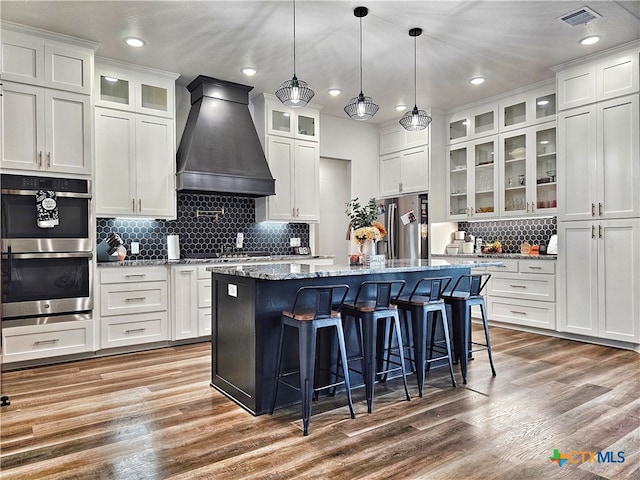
(536, 267)
(135, 330)
(135, 275)
(518, 286)
(46, 342)
(518, 312)
(135, 299)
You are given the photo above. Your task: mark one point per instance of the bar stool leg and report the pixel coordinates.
(445, 326)
(486, 336)
(277, 375)
(345, 368)
(419, 323)
(396, 322)
(307, 346)
(369, 334)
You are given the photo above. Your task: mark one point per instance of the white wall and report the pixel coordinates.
(346, 139)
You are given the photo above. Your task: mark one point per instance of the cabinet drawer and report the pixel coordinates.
(537, 266)
(523, 312)
(48, 340)
(124, 299)
(524, 286)
(508, 265)
(134, 274)
(204, 293)
(134, 329)
(204, 322)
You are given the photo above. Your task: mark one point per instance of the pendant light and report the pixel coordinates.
(361, 107)
(294, 92)
(415, 119)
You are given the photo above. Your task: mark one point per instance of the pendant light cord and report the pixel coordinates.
(294, 38)
(415, 71)
(361, 55)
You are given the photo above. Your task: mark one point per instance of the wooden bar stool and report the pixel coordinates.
(467, 292)
(312, 310)
(373, 302)
(425, 299)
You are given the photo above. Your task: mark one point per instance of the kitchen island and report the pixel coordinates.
(246, 306)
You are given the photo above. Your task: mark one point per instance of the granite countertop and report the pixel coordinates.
(517, 256)
(214, 261)
(293, 271)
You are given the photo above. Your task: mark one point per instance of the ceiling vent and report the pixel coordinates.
(579, 17)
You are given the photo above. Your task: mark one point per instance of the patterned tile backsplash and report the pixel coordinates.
(512, 233)
(205, 234)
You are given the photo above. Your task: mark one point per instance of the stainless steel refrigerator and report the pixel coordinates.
(406, 219)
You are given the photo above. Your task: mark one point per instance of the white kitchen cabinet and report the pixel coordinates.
(599, 278)
(295, 165)
(45, 130)
(45, 59)
(136, 89)
(523, 292)
(393, 138)
(133, 305)
(184, 301)
(302, 123)
(404, 172)
(472, 179)
(31, 342)
(473, 123)
(135, 165)
(290, 138)
(610, 77)
(528, 108)
(528, 171)
(599, 160)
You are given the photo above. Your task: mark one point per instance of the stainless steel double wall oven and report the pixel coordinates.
(46, 272)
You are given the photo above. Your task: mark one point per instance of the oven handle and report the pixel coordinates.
(10, 261)
(6, 191)
(32, 256)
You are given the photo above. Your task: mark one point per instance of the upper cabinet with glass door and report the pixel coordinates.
(475, 123)
(529, 108)
(302, 123)
(132, 88)
(529, 171)
(472, 179)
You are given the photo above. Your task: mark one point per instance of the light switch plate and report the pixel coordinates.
(232, 290)
(294, 242)
(135, 248)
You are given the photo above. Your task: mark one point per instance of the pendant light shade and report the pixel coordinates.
(415, 119)
(294, 92)
(361, 107)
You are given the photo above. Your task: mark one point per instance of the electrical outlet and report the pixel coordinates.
(239, 239)
(135, 248)
(294, 242)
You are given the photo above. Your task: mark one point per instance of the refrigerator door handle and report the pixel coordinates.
(393, 208)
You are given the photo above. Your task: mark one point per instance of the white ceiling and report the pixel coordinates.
(512, 43)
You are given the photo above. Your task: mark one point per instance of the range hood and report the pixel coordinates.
(220, 151)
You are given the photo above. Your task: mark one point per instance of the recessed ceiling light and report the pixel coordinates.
(590, 40)
(401, 108)
(477, 80)
(249, 71)
(334, 92)
(134, 42)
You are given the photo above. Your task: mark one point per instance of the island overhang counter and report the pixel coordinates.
(246, 305)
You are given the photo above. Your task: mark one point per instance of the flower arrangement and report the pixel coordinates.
(362, 219)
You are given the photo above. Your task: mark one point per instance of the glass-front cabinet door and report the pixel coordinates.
(476, 123)
(472, 179)
(458, 182)
(529, 171)
(299, 123)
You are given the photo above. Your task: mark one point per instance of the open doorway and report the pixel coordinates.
(335, 193)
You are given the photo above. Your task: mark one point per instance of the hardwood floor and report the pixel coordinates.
(153, 415)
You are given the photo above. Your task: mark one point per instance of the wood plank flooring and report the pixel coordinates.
(153, 415)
